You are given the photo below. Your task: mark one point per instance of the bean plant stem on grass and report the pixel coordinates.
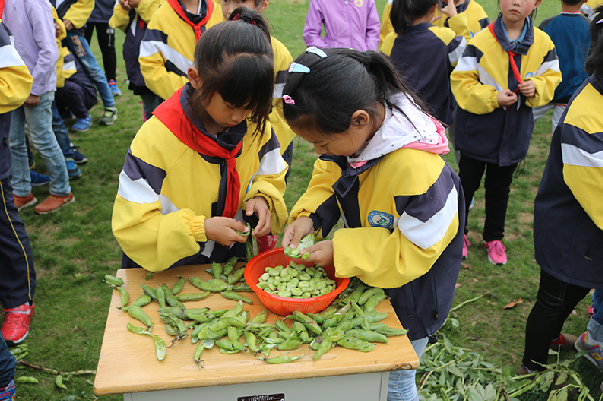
(480, 346)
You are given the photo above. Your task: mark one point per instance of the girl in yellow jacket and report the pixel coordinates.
(197, 169)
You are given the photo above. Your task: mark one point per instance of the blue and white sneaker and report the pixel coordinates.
(82, 124)
(114, 89)
(37, 179)
(72, 170)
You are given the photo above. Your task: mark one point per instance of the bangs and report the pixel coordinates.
(247, 81)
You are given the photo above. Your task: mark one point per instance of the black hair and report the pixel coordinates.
(572, 2)
(404, 12)
(235, 59)
(339, 84)
(594, 62)
(257, 2)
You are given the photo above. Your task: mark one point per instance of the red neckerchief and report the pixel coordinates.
(1, 9)
(171, 114)
(516, 73)
(197, 27)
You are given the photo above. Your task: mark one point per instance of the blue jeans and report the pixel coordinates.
(595, 324)
(402, 384)
(78, 45)
(39, 122)
(60, 131)
(7, 364)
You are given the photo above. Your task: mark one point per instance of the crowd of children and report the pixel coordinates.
(223, 99)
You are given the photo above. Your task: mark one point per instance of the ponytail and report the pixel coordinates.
(594, 62)
(404, 12)
(324, 98)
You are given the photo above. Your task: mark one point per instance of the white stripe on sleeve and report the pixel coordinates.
(574, 156)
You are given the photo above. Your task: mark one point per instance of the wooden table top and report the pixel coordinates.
(128, 363)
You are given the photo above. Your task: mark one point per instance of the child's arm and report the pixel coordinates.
(79, 13)
(120, 18)
(269, 181)
(426, 200)
(146, 9)
(471, 94)
(15, 79)
(313, 26)
(545, 79)
(373, 27)
(581, 152)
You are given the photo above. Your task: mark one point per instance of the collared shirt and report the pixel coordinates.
(522, 36)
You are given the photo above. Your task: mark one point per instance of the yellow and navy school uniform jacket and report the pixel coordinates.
(407, 239)
(76, 11)
(470, 15)
(282, 60)
(427, 73)
(568, 211)
(134, 24)
(168, 47)
(15, 86)
(63, 51)
(167, 190)
(483, 130)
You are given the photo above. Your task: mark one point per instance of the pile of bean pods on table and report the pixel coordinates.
(351, 321)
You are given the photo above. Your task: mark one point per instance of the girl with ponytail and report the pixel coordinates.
(380, 168)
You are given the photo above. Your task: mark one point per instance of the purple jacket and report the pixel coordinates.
(348, 23)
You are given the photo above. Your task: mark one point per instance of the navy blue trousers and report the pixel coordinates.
(17, 274)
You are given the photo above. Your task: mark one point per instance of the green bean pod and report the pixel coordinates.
(235, 276)
(241, 287)
(160, 349)
(192, 297)
(251, 340)
(282, 326)
(245, 233)
(228, 345)
(307, 321)
(198, 350)
(355, 343)
(386, 330)
(201, 317)
(112, 280)
(260, 317)
(368, 335)
(373, 316)
(233, 333)
(58, 381)
(161, 297)
(171, 298)
(215, 285)
(229, 265)
(283, 358)
(174, 310)
(143, 300)
(178, 285)
(26, 379)
(235, 296)
(124, 296)
(373, 301)
(290, 344)
(323, 347)
(216, 269)
(136, 312)
(170, 330)
(369, 293)
(150, 291)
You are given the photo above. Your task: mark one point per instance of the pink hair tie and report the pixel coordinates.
(288, 99)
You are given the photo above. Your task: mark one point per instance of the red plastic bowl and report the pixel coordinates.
(284, 306)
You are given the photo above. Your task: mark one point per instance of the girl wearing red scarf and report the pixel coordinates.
(207, 160)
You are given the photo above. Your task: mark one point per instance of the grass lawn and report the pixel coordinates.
(74, 248)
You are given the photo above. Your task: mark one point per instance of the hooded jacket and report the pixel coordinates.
(167, 189)
(568, 211)
(485, 131)
(409, 238)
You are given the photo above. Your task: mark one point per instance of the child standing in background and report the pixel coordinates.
(426, 73)
(208, 159)
(353, 24)
(168, 46)
(506, 70)
(374, 138)
(132, 17)
(570, 33)
(99, 20)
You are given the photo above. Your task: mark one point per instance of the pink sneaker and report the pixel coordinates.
(466, 245)
(496, 252)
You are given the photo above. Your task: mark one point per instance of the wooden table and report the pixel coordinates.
(128, 364)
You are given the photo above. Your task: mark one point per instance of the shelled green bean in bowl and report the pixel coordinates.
(317, 300)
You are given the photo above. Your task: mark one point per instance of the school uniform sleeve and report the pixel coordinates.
(582, 153)
(15, 79)
(455, 45)
(147, 8)
(120, 18)
(471, 94)
(313, 26)
(59, 22)
(428, 220)
(79, 12)
(269, 181)
(548, 75)
(386, 22)
(373, 27)
(388, 44)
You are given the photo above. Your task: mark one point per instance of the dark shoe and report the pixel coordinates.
(78, 157)
(37, 179)
(109, 117)
(72, 170)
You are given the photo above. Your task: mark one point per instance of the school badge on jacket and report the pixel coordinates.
(381, 219)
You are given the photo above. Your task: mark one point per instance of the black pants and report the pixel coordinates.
(497, 185)
(17, 274)
(106, 41)
(554, 303)
(74, 98)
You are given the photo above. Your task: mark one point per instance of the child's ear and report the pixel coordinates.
(263, 6)
(360, 118)
(193, 77)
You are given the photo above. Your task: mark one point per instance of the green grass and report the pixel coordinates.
(74, 248)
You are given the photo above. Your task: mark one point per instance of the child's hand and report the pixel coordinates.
(506, 97)
(449, 10)
(222, 230)
(68, 24)
(57, 29)
(528, 88)
(32, 101)
(133, 4)
(259, 206)
(322, 253)
(297, 230)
